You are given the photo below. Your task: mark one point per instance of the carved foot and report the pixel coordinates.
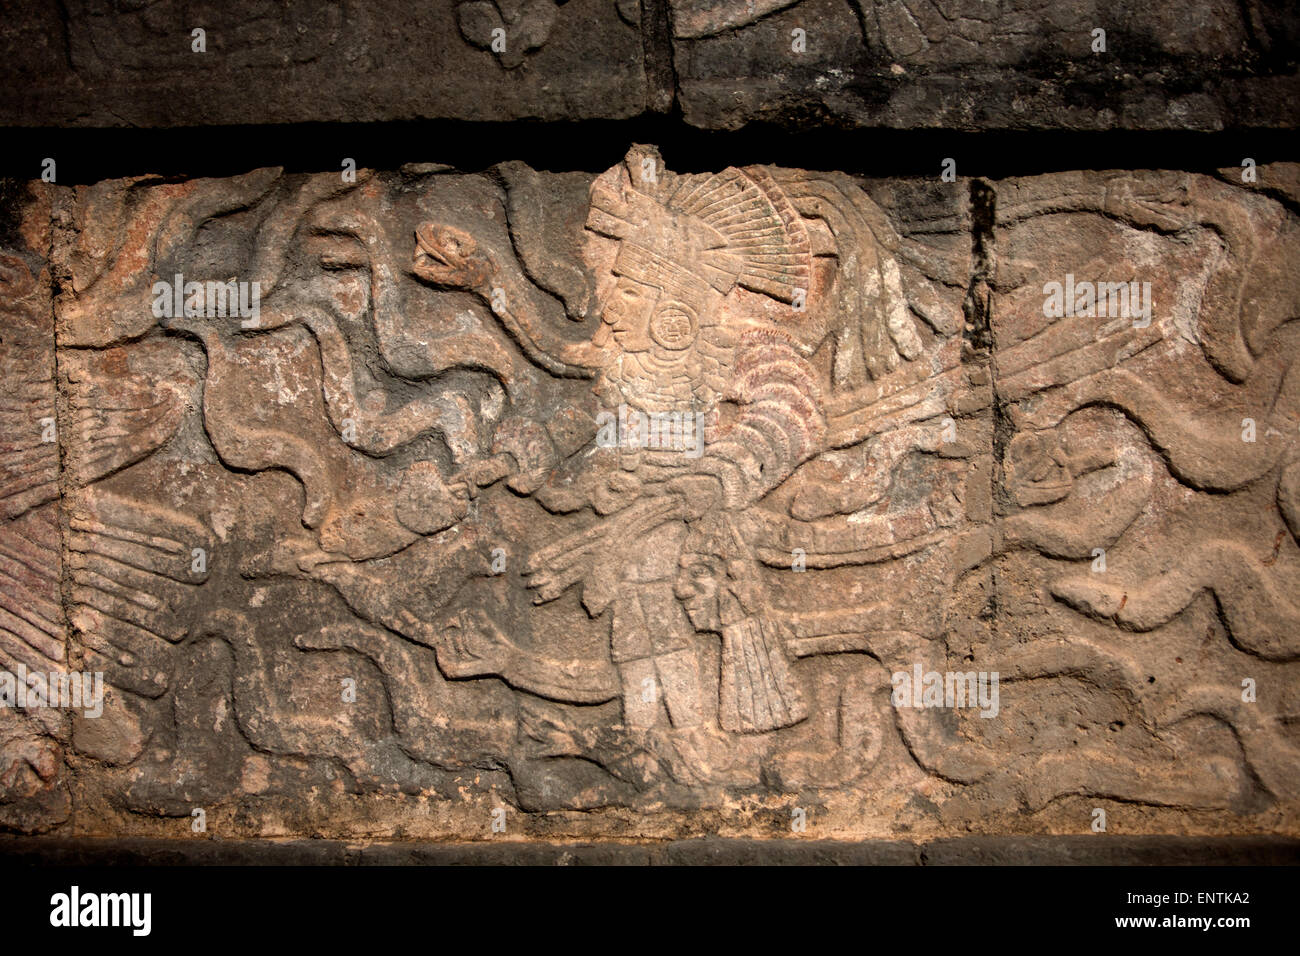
(695, 756)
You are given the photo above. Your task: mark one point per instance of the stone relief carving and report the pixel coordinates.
(140, 36)
(932, 33)
(647, 512)
(33, 794)
(509, 28)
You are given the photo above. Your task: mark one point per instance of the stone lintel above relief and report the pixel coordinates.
(967, 64)
(238, 63)
(799, 64)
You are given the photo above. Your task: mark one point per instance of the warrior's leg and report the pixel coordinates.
(679, 675)
(640, 694)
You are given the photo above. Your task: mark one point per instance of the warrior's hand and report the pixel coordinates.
(480, 474)
(574, 558)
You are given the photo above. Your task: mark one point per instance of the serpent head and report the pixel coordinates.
(449, 257)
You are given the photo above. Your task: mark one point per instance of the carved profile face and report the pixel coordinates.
(644, 319)
(628, 310)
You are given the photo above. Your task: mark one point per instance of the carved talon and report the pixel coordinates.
(553, 582)
(472, 647)
(1161, 204)
(315, 562)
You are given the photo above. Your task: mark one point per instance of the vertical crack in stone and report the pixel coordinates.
(981, 347)
(62, 204)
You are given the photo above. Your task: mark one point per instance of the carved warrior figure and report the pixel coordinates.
(688, 331)
(698, 281)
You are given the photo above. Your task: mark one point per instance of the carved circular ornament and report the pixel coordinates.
(674, 326)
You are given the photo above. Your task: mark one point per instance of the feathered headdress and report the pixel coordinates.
(689, 233)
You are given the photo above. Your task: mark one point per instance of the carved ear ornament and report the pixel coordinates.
(674, 326)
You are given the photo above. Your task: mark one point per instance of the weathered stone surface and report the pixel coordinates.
(952, 64)
(94, 63)
(373, 560)
(34, 794)
(970, 64)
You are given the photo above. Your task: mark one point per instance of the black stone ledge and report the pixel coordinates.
(963, 851)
